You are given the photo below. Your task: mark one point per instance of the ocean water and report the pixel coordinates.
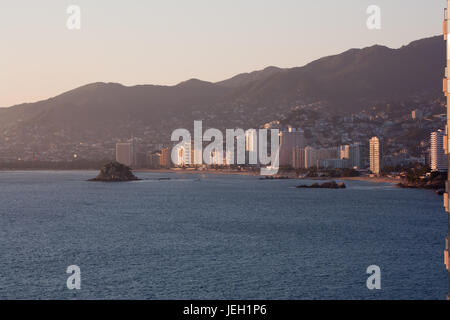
(216, 237)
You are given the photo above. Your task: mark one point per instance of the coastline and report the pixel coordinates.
(247, 173)
(43, 170)
(184, 171)
(181, 171)
(223, 172)
(374, 179)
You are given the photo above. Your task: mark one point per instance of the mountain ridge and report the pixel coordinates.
(345, 83)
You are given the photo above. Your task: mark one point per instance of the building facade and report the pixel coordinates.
(165, 158)
(124, 153)
(289, 140)
(153, 160)
(446, 28)
(344, 152)
(437, 152)
(334, 163)
(356, 158)
(375, 155)
(299, 158)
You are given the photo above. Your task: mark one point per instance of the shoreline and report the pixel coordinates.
(373, 180)
(183, 171)
(222, 172)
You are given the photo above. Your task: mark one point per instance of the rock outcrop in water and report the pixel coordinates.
(275, 178)
(325, 185)
(433, 181)
(433, 185)
(115, 172)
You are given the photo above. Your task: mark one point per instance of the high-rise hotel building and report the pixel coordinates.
(375, 155)
(446, 27)
(290, 139)
(165, 159)
(437, 152)
(357, 155)
(124, 153)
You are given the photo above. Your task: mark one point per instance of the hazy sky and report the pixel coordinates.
(169, 41)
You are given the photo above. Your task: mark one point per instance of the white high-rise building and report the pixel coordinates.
(375, 156)
(289, 140)
(124, 153)
(180, 155)
(333, 163)
(438, 156)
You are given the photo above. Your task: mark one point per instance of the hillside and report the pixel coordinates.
(343, 83)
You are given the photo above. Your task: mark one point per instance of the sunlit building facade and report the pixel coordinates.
(446, 27)
(375, 155)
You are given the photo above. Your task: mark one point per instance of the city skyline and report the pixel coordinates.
(200, 151)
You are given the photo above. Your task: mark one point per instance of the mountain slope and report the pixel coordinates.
(353, 79)
(248, 78)
(344, 83)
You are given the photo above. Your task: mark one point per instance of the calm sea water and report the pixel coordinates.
(216, 237)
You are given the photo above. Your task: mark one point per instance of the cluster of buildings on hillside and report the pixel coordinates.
(405, 128)
(128, 154)
(294, 153)
(349, 156)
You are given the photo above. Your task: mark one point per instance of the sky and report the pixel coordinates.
(169, 41)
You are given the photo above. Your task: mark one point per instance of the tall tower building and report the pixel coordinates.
(344, 152)
(289, 140)
(251, 146)
(125, 153)
(437, 152)
(375, 155)
(357, 156)
(165, 160)
(310, 157)
(446, 27)
(184, 154)
(298, 158)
